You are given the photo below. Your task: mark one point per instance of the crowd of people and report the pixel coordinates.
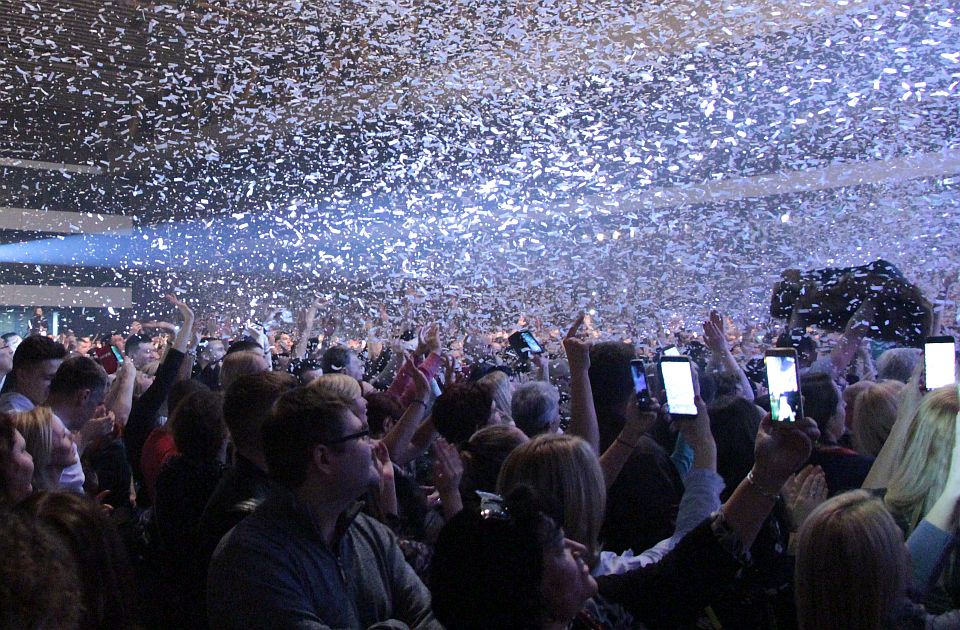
(179, 477)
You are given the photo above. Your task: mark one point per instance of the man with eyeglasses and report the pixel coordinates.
(307, 557)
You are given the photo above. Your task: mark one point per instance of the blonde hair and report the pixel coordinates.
(36, 427)
(852, 566)
(874, 412)
(237, 364)
(497, 383)
(564, 469)
(922, 472)
(339, 385)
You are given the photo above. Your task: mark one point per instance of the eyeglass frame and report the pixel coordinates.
(359, 435)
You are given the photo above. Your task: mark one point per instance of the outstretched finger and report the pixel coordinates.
(575, 328)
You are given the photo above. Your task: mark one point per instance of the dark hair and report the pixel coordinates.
(247, 404)
(610, 376)
(487, 571)
(182, 389)
(39, 586)
(380, 406)
(133, 343)
(461, 410)
(734, 423)
(301, 419)
(335, 359)
(801, 341)
(7, 438)
(483, 456)
(106, 576)
(820, 398)
(78, 373)
(36, 349)
(299, 367)
(197, 425)
(245, 344)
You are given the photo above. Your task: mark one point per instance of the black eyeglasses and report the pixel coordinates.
(359, 435)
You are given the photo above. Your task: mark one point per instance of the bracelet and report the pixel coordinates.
(756, 486)
(625, 443)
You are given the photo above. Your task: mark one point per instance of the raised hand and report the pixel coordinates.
(578, 351)
(713, 334)
(780, 449)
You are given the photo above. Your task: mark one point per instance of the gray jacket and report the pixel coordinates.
(274, 571)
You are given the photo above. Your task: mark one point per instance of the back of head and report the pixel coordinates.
(245, 344)
(197, 426)
(36, 427)
(336, 359)
(897, 364)
(39, 586)
(921, 474)
(565, 470)
(734, 423)
(247, 405)
(75, 374)
(610, 376)
(821, 399)
(852, 567)
(488, 566)
(801, 341)
(301, 419)
(483, 456)
(340, 385)
(461, 410)
(535, 407)
(874, 412)
(182, 389)
(109, 599)
(237, 364)
(497, 383)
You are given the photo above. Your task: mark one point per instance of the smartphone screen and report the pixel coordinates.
(117, 355)
(531, 342)
(784, 384)
(671, 352)
(939, 358)
(639, 373)
(678, 385)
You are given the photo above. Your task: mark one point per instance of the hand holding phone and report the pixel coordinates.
(676, 376)
(640, 387)
(939, 362)
(783, 384)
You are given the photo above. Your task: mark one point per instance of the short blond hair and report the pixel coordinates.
(338, 385)
(36, 427)
(852, 566)
(565, 470)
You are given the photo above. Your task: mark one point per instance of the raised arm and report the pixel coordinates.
(583, 416)
(306, 327)
(720, 351)
(397, 440)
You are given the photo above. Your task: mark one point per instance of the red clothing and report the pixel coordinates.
(157, 449)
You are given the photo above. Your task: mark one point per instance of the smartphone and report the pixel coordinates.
(939, 362)
(523, 341)
(671, 351)
(783, 383)
(677, 379)
(117, 355)
(638, 370)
